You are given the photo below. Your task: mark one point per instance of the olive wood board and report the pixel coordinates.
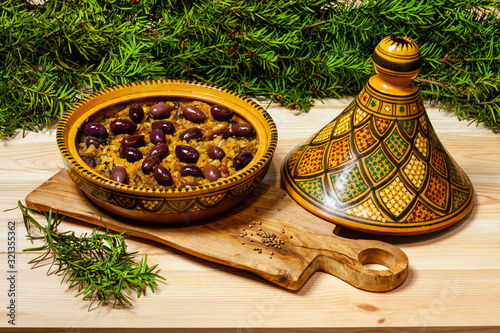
(306, 243)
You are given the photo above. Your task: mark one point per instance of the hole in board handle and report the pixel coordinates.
(377, 259)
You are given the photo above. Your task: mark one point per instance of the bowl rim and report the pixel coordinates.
(96, 178)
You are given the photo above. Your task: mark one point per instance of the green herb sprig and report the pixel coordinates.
(98, 265)
(54, 53)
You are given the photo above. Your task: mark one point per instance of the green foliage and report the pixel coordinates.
(293, 52)
(98, 265)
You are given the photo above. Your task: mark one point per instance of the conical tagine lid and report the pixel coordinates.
(379, 166)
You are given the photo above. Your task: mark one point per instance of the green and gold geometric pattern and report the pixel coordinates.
(379, 166)
(408, 125)
(397, 145)
(313, 188)
(348, 185)
(458, 198)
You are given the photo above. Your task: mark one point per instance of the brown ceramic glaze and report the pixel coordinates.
(159, 205)
(379, 166)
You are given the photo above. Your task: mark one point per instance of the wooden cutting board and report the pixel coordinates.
(268, 234)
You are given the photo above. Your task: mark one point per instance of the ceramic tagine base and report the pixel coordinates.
(379, 166)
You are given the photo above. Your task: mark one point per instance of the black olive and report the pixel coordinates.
(135, 141)
(160, 151)
(119, 175)
(157, 136)
(222, 113)
(148, 164)
(92, 140)
(224, 133)
(189, 184)
(131, 154)
(162, 175)
(211, 172)
(193, 114)
(241, 160)
(123, 126)
(160, 110)
(136, 113)
(187, 154)
(242, 129)
(216, 153)
(191, 133)
(191, 170)
(95, 129)
(166, 126)
(90, 162)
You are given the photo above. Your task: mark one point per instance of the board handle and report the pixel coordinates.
(350, 261)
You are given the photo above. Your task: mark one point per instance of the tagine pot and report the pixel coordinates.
(379, 166)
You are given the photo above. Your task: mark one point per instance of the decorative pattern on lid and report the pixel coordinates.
(379, 165)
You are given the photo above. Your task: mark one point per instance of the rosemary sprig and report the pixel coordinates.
(98, 265)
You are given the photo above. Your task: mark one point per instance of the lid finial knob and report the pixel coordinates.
(397, 60)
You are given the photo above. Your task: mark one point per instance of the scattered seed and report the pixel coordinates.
(260, 229)
(249, 225)
(251, 240)
(272, 253)
(270, 257)
(253, 222)
(291, 236)
(279, 208)
(260, 223)
(242, 235)
(251, 234)
(242, 243)
(245, 233)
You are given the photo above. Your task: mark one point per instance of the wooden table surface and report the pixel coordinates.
(453, 280)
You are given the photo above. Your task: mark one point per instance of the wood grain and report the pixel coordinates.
(268, 235)
(453, 281)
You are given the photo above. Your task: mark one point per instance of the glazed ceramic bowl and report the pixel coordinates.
(166, 205)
